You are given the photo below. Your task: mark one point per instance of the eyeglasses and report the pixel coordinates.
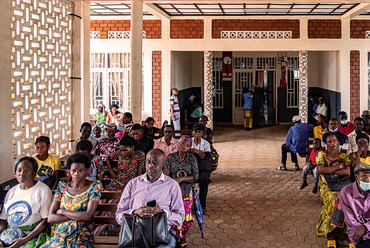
(167, 131)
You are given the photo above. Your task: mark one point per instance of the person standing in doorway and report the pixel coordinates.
(175, 109)
(248, 106)
(257, 104)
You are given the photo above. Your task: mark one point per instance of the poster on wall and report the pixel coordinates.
(227, 66)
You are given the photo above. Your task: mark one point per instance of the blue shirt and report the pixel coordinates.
(248, 101)
(315, 107)
(298, 136)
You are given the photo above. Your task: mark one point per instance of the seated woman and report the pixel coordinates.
(96, 171)
(334, 169)
(150, 130)
(362, 155)
(49, 165)
(73, 207)
(183, 167)
(26, 208)
(207, 132)
(114, 116)
(108, 145)
(100, 117)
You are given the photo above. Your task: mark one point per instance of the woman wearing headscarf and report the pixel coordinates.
(109, 144)
(100, 117)
(182, 166)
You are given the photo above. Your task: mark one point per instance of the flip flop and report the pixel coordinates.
(283, 168)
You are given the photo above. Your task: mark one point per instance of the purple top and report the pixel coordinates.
(356, 209)
(165, 191)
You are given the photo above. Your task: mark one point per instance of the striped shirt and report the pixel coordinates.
(175, 102)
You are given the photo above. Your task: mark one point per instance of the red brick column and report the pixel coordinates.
(355, 84)
(157, 87)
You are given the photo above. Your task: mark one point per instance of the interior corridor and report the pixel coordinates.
(250, 203)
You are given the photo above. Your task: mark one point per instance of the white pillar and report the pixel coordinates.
(85, 62)
(136, 59)
(303, 85)
(6, 168)
(208, 89)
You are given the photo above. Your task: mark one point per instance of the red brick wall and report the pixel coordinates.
(219, 25)
(187, 29)
(152, 28)
(355, 84)
(157, 87)
(359, 28)
(324, 29)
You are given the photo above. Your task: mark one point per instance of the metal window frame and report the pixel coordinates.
(292, 89)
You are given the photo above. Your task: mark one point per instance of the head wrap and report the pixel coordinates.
(296, 118)
(362, 135)
(362, 167)
(185, 137)
(111, 126)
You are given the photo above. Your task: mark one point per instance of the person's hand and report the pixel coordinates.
(60, 211)
(147, 212)
(341, 166)
(201, 154)
(165, 122)
(178, 179)
(17, 243)
(174, 118)
(183, 193)
(359, 233)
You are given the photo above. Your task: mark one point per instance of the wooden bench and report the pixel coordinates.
(309, 143)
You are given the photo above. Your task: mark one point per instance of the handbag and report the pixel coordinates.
(11, 234)
(335, 182)
(143, 232)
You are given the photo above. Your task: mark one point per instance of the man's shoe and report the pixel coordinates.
(315, 189)
(304, 185)
(283, 168)
(296, 167)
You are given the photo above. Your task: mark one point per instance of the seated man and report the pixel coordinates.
(126, 125)
(344, 125)
(342, 138)
(168, 144)
(321, 109)
(153, 185)
(85, 135)
(366, 116)
(295, 142)
(144, 143)
(354, 201)
(202, 151)
(322, 127)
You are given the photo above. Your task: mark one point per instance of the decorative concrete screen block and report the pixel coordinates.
(208, 87)
(256, 34)
(41, 65)
(303, 85)
(94, 34)
(121, 34)
(367, 35)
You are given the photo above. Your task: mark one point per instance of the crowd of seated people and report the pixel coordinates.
(340, 163)
(113, 155)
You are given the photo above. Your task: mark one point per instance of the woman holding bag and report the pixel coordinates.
(182, 166)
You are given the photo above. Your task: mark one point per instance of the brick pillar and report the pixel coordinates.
(355, 85)
(208, 91)
(157, 87)
(303, 85)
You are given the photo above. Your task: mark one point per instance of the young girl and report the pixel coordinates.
(49, 165)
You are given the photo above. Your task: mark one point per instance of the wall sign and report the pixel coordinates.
(227, 66)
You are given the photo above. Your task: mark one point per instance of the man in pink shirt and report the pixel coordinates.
(168, 144)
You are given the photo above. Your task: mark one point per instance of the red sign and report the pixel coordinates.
(227, 66)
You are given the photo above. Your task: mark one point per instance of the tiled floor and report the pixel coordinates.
(250, 203)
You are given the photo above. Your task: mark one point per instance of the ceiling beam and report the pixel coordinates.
(359, 9)
(157, 12)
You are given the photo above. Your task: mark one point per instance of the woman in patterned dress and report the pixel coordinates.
(183, 167)
(335, 170)
(100, 117)
(108, 145)
(73, 207)
(114, 116)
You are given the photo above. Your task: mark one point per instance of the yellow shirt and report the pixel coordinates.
(48, 166)
(318, 132)
(365, 160)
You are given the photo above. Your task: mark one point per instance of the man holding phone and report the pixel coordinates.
(153, 193)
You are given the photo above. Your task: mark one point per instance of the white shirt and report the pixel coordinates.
(204, 145)
(321, 110)
(352, 145)
(94, 141)
(26, 207)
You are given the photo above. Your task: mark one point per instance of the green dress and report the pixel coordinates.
(326, 224)
(74, 233)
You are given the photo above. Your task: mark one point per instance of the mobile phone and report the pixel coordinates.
(151, 203)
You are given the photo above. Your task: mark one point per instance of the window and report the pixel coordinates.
(110, 80)
(217, 83)
(292, 82)
(368, 77)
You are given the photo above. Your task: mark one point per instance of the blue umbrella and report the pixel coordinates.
(198, 210)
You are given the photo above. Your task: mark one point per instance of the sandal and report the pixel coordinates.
(184, 245)
(283, 168)
(331, 244)
(350, 245)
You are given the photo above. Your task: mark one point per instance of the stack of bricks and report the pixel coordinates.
(359, 28)
(219, 25)
(152, 28)
(157, 87)
(355, 84)
(324, 29)
(187, 29)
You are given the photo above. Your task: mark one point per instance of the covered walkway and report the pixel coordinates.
(250, 203)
